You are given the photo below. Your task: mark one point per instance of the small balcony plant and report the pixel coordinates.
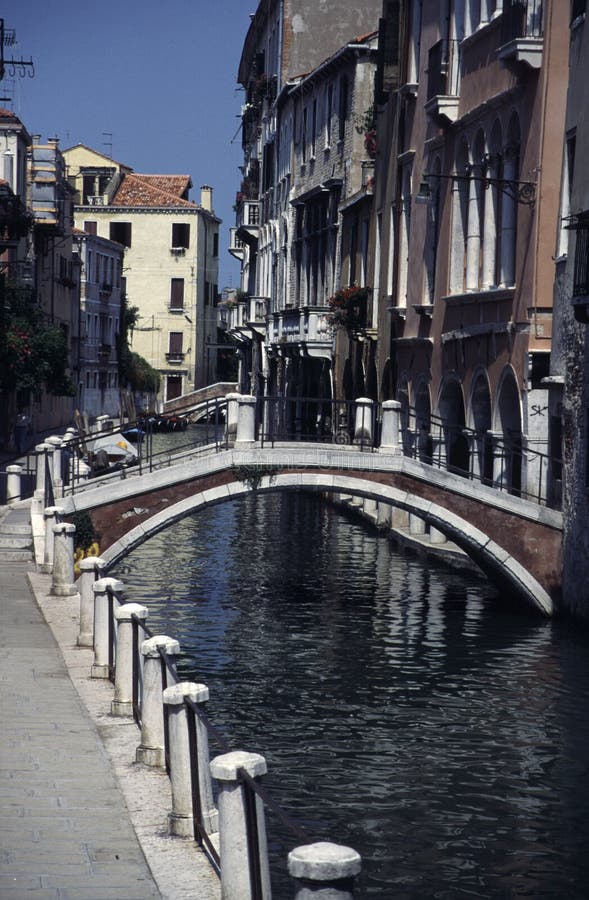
(348, 308)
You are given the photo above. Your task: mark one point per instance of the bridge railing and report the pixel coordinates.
(503, 462)
(324, 421)
(221, 801)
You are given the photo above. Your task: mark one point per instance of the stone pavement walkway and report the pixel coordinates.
(72, 800)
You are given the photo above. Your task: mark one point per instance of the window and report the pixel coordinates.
(176, 338)
(90, 227)
(581, 269)
(328, 114)
(181, 235)
(343, 106)
(176, 295)
(216, 243)
(304, 135)
(313, 128)
(566, 191)
(121, 233)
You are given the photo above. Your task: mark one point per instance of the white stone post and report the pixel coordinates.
(181, 819)
(56, 444)
(151, 751)
(62, 584)
(235, 862)
(232, 415)
(246, 420)
(399, 518)
(13, 486)
(103, 589)
(53, 516)
(391, 427)
(473, 237)
(324, 870)
(90, 570)
(40, 450)
(363, 421)
(122, 704)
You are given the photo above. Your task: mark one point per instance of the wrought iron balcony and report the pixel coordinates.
(443, 80)
(522, 32)
(175, 356)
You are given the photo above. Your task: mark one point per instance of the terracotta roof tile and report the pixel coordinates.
(139, 190)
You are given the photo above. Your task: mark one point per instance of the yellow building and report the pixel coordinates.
(171, 261)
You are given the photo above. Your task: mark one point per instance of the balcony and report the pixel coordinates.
(175, 357)
(522, 32)
(247, 220)
(105, 289)
(103, 352)
(236, 246)
(304, 329)
(15, 220)
(248, 317)
(443, 80)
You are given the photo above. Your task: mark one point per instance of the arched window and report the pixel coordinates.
(509, 204)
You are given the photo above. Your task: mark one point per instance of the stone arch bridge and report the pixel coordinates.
(516, 543)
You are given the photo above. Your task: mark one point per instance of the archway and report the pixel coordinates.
(508, 423)
(451, 407)
(480, 422)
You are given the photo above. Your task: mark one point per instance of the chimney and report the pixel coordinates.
(206, 197)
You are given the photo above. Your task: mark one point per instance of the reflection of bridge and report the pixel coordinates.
(517, 543)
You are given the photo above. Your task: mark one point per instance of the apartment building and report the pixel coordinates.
(171, 261)
(568, 382)
(471, 100)
(291, 110)
(101, 266)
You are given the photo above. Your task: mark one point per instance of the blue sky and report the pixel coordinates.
(160, 77)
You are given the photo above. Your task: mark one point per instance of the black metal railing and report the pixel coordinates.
(443, 70)
(250, 786)
(324, 421)
(521, 19)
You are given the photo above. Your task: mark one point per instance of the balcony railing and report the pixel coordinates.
(521, 19)
(175, 356)
(302, 325)
(522, 30)
(443, 71)
(248, 214)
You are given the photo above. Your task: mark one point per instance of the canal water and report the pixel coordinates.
(402, 708)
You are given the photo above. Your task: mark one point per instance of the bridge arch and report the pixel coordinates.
(497, 563)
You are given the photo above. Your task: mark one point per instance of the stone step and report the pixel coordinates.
(15, 541)
(15, 556)
(9, 530)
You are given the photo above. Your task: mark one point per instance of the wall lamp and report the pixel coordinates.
(523, 192)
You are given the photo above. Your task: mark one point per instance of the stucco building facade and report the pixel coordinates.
(171, 261)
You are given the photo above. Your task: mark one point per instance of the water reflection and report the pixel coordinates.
(401, 709)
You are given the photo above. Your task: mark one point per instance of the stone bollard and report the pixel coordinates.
(324, 870)
(232, 414)
(363, 421)
(122, 704)
(56, 444)
(40, 450)
(13, 484)
(235, 862)
(62, 584)
(103, 589)
(53, 516)
(151, 751)
(90, 570)
(384, 512)
(181, 819)
(246, 420)
(391, 427)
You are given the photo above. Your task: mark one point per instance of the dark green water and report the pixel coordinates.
(402, 708)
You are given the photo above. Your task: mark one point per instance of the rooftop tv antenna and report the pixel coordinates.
(20, 67)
